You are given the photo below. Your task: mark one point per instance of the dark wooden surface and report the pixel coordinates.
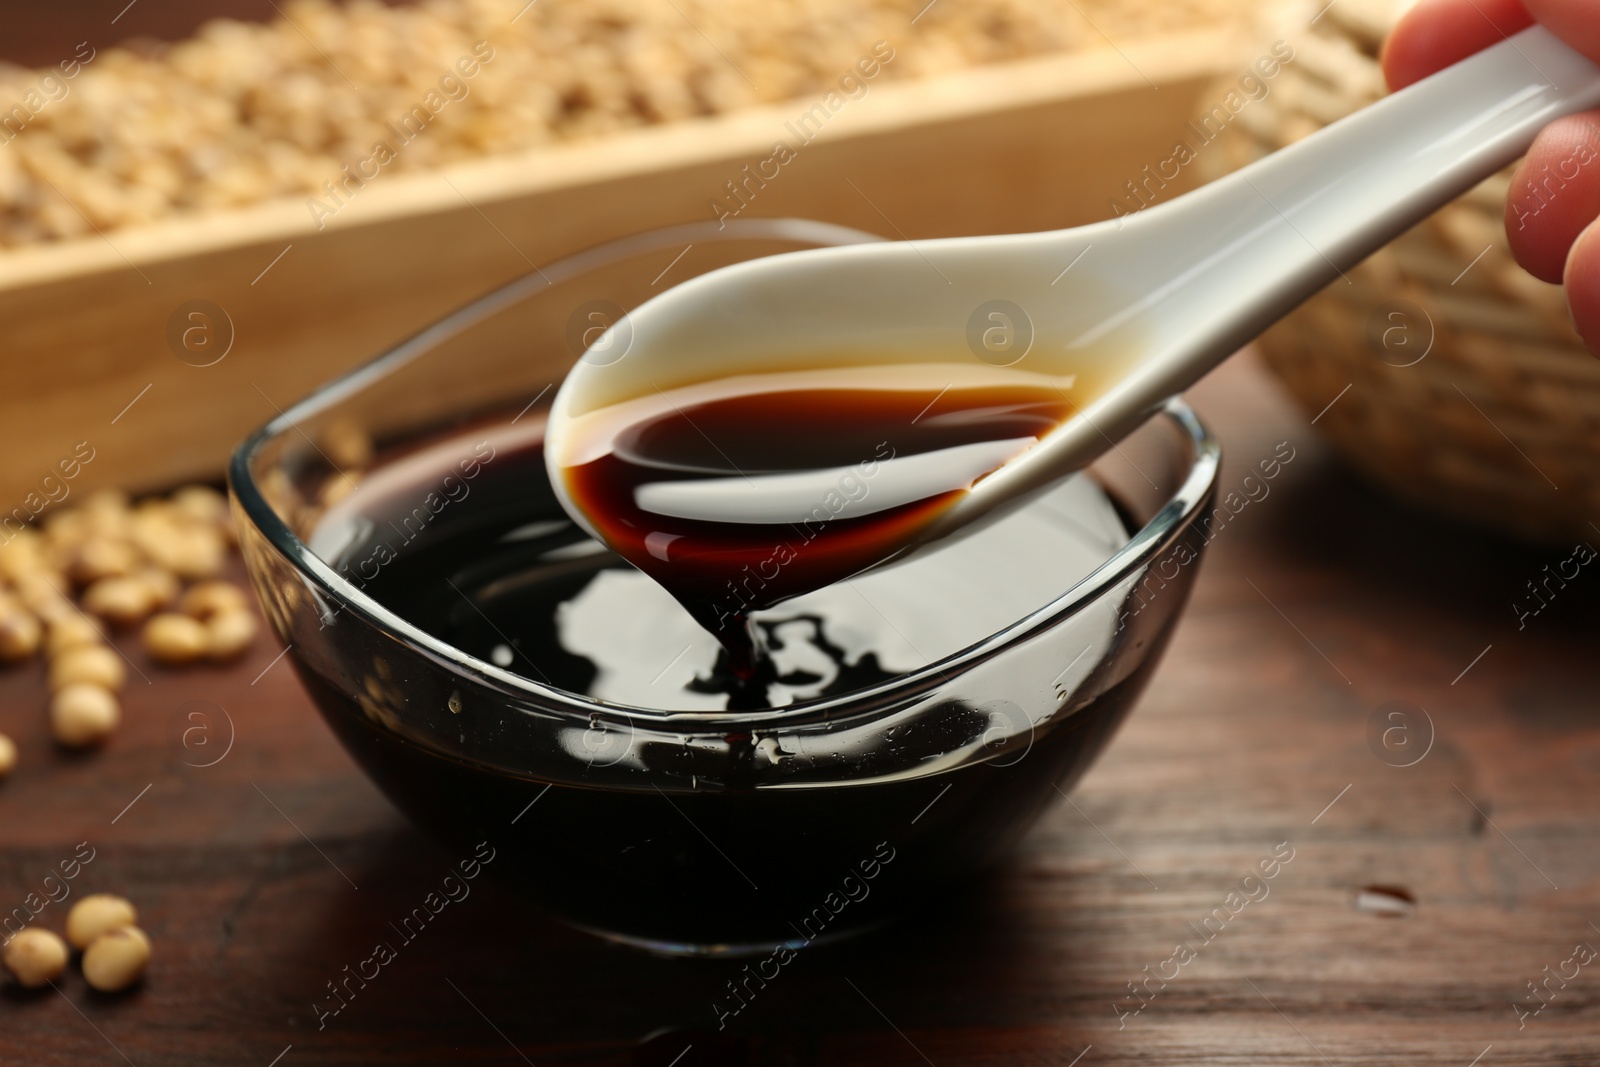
(1320, 603)
(39, 35)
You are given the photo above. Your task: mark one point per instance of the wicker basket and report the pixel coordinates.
(1445, 372)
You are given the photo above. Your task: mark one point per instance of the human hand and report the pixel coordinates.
(1554, 202)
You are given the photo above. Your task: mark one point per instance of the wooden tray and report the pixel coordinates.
(1034, 144)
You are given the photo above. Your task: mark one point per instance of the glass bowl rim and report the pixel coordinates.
(1141, 549)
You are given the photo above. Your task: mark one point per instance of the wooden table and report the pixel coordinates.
(1319, 604)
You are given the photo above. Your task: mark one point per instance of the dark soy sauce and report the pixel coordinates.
(851, 447)
(504, 575)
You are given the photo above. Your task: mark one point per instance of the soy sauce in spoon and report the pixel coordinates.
(737, 495)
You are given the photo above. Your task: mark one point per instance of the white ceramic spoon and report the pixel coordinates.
(1122, 314)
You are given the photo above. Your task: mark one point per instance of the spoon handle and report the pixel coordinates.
(1365, 180)
(1206, 273)
(1294, 221)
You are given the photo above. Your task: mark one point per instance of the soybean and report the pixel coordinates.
(35, 957)
(82, 714)
(98, 914)
(102, 557)
(92, 664)
(200, 503)
(175, 639)
(206, 599)
(120, 601)
(116, 959)
(162, 584)
(70, 631)
(229, 634)
(20, 633)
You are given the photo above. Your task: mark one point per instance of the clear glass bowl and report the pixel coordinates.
(666, 824)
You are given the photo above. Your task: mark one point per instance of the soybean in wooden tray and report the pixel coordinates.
(240, 113)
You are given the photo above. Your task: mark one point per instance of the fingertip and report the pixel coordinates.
(1433, 34)
(1555, 195)
(1582, 281)
(1574, 21)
